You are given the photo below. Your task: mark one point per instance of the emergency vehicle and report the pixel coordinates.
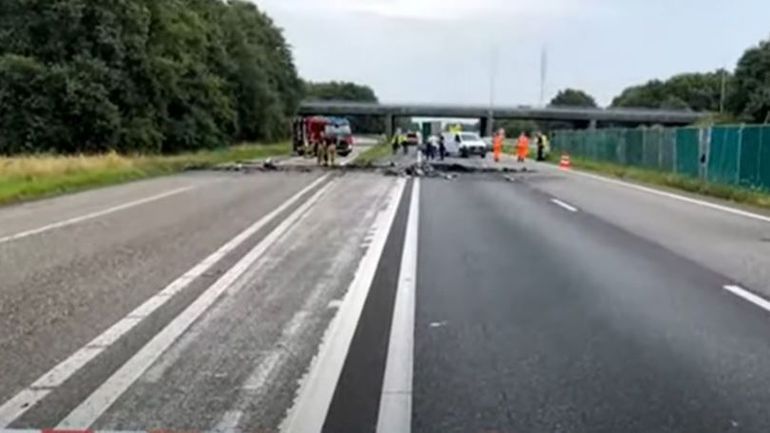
(310, 132)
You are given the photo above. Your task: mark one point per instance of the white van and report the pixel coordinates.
(464, 144)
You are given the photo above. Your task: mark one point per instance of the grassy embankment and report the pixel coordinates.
(32, 177)
(367, 158)
(669, 180)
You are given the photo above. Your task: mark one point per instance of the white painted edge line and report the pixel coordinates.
(19, 404)
(96, 404)
(90, 216)
(395, 413)
(10, 430)
(564, 205)
(311, 405)
(24, 400)
(745, 294)
(670, 195)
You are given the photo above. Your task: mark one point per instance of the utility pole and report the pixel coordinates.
(543, 74)
(492, 79)
(722, 92)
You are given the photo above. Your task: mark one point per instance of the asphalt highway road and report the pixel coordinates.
(537, 301)
(531, 317)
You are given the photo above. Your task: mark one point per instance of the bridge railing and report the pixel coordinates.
(736, 155)
(629, 115)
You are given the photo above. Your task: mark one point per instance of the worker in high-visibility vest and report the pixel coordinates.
(396, 141)
(497, 144)
(321, 148)
(522, 147)
(545, 143)
(331, 152)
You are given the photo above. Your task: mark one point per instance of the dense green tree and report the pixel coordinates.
(750, 97)
(351, 92)
(514, 127)
(141, 75)
(648, 95)
(693, 91)
(572, 98)
(339, 91)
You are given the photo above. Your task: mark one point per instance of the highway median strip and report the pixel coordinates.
(372, 155)
(312, 402)
(395, 413)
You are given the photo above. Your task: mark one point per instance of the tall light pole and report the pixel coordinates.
(492, 79)
(543, 73)
(492, 75)
(722, 91)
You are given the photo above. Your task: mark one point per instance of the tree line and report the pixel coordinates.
(741, 95)
(86, 76)
(351, 92)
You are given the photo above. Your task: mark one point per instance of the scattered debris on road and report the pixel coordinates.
(426, 169)
(269, 165)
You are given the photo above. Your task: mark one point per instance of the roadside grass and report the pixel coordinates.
(33, 177)
(670, 180)
(371, 155)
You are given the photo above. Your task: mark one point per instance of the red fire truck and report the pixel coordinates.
(310, 132)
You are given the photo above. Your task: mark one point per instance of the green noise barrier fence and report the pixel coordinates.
(736, 155)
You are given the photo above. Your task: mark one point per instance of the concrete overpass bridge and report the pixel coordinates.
(587, 117)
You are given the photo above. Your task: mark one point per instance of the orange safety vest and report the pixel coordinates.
(522, 146)
(497, 144)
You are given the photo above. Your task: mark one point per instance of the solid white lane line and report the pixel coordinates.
(395, 414)
(108, 392)
(23, 400)
(315, 395)
(564, 205)
(745, 294)
(90, 216)
(64, 370)
(228, 422)
(670, 195)
(111, 335)
(19, 404)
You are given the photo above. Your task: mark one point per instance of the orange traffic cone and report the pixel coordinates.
(565, 163)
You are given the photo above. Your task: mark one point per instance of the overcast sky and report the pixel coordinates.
(443, 50)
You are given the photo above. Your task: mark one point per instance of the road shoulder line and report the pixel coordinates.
(314, 397)
(395, 413)
(92, 215)
(748, 296)
(564, 205)
(671, 195)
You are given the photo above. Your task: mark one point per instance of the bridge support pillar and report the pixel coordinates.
(390, 125)
(592, 124)
(485, 126)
